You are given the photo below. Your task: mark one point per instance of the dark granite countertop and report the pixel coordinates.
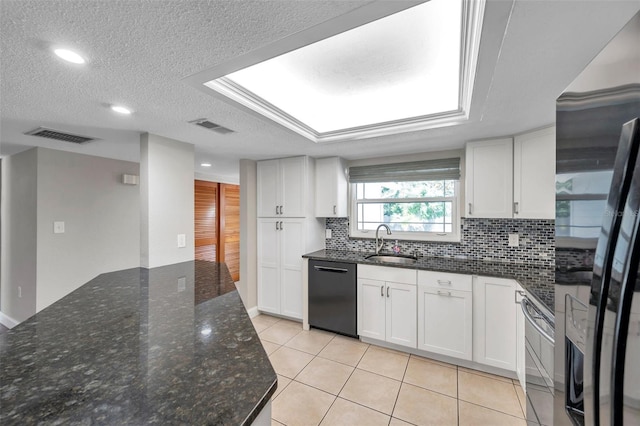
(538, 280)
(168, 345)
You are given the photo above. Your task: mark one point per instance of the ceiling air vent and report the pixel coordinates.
(43, 132)
(203, 122)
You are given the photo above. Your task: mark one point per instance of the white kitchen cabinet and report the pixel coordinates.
(331, 187)
(445, 322)
(282, 186)
(387, 304)
(508, 178)
(520, 343)
(281, 243)
(371, 309)
(534, 172)
(489, 178)
(494, 322)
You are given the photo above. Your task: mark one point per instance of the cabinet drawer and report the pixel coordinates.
(445, 280)
(383, 273)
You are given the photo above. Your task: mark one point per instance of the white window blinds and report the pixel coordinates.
(443, 169)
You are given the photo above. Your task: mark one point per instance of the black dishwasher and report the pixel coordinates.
(333, 297)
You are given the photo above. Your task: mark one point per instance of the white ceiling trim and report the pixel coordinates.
(213, 82)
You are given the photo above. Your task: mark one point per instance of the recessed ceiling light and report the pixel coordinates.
(120, 109)
(69, 56)
(205, 164)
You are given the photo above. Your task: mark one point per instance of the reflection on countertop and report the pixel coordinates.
(538, 280)
(167, 345)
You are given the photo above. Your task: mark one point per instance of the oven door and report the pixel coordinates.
(539, 342)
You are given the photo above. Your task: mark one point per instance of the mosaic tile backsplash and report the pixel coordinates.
(481, 239)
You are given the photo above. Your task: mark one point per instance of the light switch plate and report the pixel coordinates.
(182, 240)
(182, 284)
(58, 227)
(514, 240)
(327, 233)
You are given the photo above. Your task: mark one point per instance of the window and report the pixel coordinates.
(418, 201)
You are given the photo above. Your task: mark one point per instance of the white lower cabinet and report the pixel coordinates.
(494, 322)
(387, 304)
(280, 246)
(445, 308)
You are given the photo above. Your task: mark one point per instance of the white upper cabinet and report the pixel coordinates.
(281, 187)
(331, 187)
(489, 179)
(508, 178)
(534, 172)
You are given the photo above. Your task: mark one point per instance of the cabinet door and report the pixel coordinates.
(520, 348)
(489, 179)
(371, 308)
(331, 188)
(401, 314)
(494, 322)
(267, 187)
(291, 236)
(445, 322)
(268, 266)
(534, 173)
(293, 175)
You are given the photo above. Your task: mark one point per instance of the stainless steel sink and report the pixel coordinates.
(404, 260)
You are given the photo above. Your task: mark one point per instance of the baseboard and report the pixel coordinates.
(7, 321)
(253, 312)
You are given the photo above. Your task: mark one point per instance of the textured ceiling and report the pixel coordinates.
(139, 52)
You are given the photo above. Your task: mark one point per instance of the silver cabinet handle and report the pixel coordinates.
(444, 293)
(335, 210)
(470, 208)
(524, 305)
(281, 226)
(443, 282)
(277, 226)
(330, 269)
(515, 296)
(516, 207)
(381, 291)
(387, 291)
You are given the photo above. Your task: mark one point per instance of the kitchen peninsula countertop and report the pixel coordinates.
(167, 345)
(538, 280)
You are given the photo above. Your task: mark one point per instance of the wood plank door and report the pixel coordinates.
(229, 247)
(206, 227)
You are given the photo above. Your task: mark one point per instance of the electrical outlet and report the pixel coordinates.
(182, 284)
(182, 240)
(19, 292)
(327, 233)
(58, 227)
(514, 240)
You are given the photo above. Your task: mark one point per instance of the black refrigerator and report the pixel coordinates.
(597, 362)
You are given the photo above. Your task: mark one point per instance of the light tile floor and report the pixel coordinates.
(326, 379)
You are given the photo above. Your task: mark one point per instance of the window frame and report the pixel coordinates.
(453, 236)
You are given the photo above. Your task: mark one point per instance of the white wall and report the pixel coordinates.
(19, 234)
(167, 209)
(101, 215)
(248, 234)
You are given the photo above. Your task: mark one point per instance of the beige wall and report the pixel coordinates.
(19, 235)
(102, 225)
(248, 234)
(101, 215)
(167, 209)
